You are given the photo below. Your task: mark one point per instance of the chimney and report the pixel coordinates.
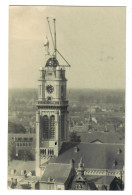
(12, 181)
(13, 171)
(30, 174)
(119, 151)
(15, 181)
(23, 172)
(76, 149)
(72, 162)
(115, 163)
(50, 179)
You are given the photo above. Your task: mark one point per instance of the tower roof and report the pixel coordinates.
(52, 62)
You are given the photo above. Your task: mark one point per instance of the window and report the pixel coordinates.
(78, 186)
(52, 127)
(49, 98)
(40, 89)
(45, 126)
(52, 152)
(44, 151)
(13, 139)
(41, 151)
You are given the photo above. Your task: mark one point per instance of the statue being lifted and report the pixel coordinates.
(46, 45)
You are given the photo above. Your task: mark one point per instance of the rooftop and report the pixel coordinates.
(100, 179)
(19, 165)
(96, 156)
(31, 179)
(57, 173)
(102, 136)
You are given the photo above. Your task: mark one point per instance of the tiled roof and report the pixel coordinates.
(31, 179)
(21, 165)
(100, 179)
(102, 136)
(97, 156)
(57, 172)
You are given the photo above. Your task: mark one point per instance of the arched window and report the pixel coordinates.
(52, 127)
(45, 151)
(52, 152)
(45, 126)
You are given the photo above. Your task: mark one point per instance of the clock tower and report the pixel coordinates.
(52, 107)
(52, 114)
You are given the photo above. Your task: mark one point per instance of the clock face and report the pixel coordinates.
(50, 89)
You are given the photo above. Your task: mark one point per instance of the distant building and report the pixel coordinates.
(23, 142)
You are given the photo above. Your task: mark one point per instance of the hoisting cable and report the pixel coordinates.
(63, 57)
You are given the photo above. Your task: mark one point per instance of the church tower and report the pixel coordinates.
(52, 114)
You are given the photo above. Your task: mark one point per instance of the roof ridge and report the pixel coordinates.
(103, 143)
(60, 163)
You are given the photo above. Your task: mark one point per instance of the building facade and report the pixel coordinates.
(52, 114)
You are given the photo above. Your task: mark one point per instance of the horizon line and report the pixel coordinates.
(71, 88)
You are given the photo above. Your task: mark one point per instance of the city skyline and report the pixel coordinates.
(95, 35)
(70, 135)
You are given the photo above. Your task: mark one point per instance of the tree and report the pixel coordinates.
(74, 137)
(15, 128)
(25, 155)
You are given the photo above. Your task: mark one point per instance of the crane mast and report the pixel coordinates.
(54, 42)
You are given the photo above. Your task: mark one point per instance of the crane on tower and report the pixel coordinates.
(53, 38)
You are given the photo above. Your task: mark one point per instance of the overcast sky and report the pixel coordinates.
(92, 39)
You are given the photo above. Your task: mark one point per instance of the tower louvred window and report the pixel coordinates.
(52, 126)
(45, 126)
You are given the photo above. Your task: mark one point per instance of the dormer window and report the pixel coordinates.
(49, 98)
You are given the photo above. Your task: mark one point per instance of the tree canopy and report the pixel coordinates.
(15, 128)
